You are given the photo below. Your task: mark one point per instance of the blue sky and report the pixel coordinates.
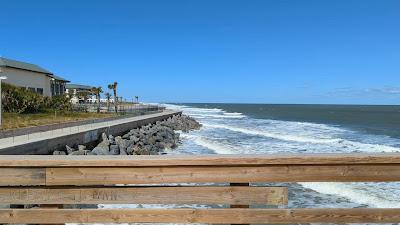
(343, 52)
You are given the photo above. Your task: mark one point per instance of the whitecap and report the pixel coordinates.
(353, 192)
(284, 137)
(216, 146)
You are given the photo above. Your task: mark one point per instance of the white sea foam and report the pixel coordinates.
(336, 143)
(365, 147)
(233, 116)
(189, 109)
(233, 113)
(216, 147)
(285, 137)
(363, 196)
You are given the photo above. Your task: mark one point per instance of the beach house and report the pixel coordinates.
(32, 77)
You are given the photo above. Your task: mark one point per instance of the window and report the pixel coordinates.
(39, 91)
(57, 87)
(32, 89)
(52, 88)
(62, 89)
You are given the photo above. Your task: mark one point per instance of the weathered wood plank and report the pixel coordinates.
(233, 206)
(58, 206)
(146, 195)
(197, 160)
(195, 174)
(22, 176)
(214, 216)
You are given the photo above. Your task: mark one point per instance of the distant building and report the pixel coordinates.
(105, 100)
(79, 93)
(32, 77)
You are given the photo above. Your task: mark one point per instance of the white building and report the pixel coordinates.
(79, 93)
(104, 100)
(32, 77)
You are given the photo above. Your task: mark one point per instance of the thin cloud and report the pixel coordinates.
(386, 91)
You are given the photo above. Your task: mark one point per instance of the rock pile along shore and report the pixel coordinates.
(150, 139)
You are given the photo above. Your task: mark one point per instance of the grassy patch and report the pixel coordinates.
(20, 120)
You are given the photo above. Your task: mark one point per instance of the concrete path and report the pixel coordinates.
(47, 135)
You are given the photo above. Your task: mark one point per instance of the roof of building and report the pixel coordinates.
(22, 65)
(60, 78)
(78, 86)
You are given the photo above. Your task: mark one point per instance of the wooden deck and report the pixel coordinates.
(219, 179)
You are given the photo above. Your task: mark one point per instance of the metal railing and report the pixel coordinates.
(123, 107)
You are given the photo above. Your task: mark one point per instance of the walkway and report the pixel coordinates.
(47, 135)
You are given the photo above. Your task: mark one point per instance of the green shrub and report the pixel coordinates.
(61, 103)
(20, 100)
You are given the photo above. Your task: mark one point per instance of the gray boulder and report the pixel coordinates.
(122, 152)
(105, 142)
(80, 152)
(111, 139)
(100, 150)
(126, 136)
(122, 143)
(114, 150)
(69, 149)
(59, 153)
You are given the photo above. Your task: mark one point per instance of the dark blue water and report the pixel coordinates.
(376, 119)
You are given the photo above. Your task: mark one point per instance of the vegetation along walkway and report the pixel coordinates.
(51, 134)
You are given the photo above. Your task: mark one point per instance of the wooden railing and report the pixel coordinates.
(61, 180)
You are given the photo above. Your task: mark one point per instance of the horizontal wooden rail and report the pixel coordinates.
(22, 176)
(146, 195)
(196, 174)
(214, 216)
(196, 160)
(55, 180)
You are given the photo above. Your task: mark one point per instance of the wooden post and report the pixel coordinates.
(240, 206)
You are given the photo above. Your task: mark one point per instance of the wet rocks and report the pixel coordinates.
(59, 153)
(69, 149)
(114, 150)
(101, 150)
(150, 139)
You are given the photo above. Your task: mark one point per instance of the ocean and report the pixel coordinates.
(268, 129)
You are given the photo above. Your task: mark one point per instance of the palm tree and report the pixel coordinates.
(137, 99)
(113, 87)
(97, 92)
(108, 96)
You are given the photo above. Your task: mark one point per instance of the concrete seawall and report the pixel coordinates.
(88, 137)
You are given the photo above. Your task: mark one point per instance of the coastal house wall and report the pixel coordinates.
(31, 80)
(32, 77)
